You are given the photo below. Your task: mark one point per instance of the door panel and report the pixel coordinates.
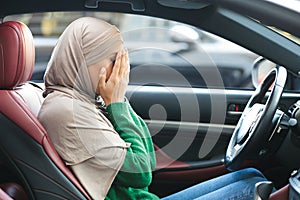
(189, 125)
(188, 138)
(190, 129)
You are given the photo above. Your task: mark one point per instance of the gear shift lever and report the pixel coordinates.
(263, 190)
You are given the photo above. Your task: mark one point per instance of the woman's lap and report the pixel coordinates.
(236, 185)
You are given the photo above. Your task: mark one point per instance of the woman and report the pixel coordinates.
(109, 149)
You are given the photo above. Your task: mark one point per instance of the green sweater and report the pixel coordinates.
(135, 175)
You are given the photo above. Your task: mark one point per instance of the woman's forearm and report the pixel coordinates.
(140, 159)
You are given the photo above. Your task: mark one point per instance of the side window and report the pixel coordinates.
(162, 52)
(174, 54)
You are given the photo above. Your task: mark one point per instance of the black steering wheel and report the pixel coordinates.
(254, 127)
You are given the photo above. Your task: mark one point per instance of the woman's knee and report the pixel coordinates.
(252, 172)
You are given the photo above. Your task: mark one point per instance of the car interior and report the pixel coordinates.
(30, 167)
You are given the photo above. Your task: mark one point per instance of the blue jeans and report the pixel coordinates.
(237, 185)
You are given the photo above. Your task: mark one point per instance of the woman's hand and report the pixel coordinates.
(113, 90)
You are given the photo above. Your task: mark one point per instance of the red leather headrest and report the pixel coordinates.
(17, 54)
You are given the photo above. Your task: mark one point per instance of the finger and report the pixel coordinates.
(127, 61)
(127, 64)
(102, 80)
(116, 67)
(123, 64)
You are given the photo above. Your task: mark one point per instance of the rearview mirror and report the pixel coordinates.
(185, 34)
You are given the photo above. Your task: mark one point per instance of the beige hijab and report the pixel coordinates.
(84, 42)
(77, 128)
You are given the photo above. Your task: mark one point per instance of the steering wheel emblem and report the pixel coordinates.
(249, 122)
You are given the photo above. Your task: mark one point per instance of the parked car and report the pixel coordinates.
(191, 81)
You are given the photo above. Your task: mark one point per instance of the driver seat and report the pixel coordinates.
(26, 153)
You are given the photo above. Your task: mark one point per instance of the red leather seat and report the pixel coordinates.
(12, 190)
(25, 148)
(282, 194)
